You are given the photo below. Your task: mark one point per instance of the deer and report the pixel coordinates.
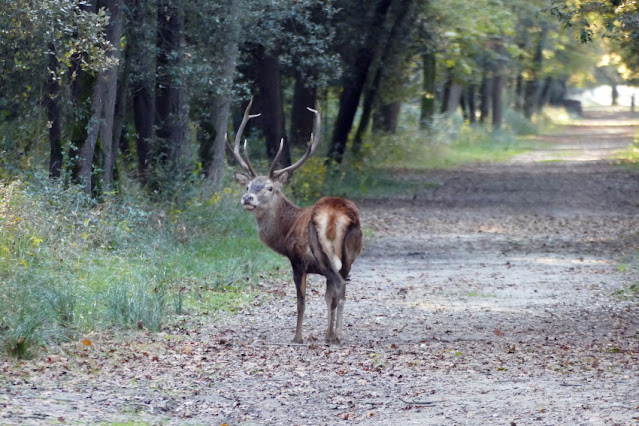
(323, 239)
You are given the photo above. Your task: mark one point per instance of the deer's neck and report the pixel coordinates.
(273, 225)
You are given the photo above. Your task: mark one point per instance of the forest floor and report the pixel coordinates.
(495, 296)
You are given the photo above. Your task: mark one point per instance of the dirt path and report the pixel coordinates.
(486, 299)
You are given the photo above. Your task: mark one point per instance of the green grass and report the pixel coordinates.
(69, 264)
(630, 155)
(393, 165)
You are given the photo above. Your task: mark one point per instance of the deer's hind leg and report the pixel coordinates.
(335, 295)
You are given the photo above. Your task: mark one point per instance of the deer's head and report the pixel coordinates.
(262, 192)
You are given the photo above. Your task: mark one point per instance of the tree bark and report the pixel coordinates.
(108, 138)
(353, 83)
(468, 104)
(222, 101)
(170, 118)
(486, 97)
(103, 108)
(52, 102)
(532, 86)
(271, 104)
(301, 119)
(428, 89)
(143, 40)
(454, 97)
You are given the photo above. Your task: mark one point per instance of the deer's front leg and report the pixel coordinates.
(299, 276)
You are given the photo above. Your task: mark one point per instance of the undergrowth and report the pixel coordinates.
(69, 264)
(389, 165)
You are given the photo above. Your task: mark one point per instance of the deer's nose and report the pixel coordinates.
(248, 199)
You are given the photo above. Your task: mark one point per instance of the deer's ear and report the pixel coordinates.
(241, 178)
(283, 179)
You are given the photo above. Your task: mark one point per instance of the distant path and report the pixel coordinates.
(488, 299)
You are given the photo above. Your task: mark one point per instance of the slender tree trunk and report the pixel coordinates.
(272, 106)
(497, 96)
(445, 96)
(454, 96)
(169, 89)
(103, 108)
(532, 87)
(486, 96)
(354, 81)
(428, 89)
(544, 94)
(391, 66)
(367, 110)
(52, 102)
(301, 119)
(143, 41)
(386, 117)
(614, 94)
(213, 153)
(81, 88)
(519, 93)
(109, 139)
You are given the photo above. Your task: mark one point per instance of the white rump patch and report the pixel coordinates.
(333, 249)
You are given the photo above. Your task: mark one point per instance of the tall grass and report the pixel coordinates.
(69, 264)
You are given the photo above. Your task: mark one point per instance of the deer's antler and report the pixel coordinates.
(312, 145)
(246, 165)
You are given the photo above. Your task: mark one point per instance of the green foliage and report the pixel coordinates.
(69, 264)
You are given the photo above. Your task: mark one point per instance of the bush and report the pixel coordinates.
(69, 264)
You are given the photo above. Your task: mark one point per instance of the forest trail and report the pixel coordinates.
(490, 297)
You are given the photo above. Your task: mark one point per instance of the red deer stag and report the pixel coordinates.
(323, 239)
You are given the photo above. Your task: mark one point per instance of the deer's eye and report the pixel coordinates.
(270, 189)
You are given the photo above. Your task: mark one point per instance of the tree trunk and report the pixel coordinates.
(353, 83)
(108, 138)
(468, 104)
(532, 87)
(391, 67)
(454, 96)
(142, 39)
(614, 94)
(544, 94)
(367, 110)
(80, 87)
(386, 117)
(485, 90)
(301, 119)
(272, 106)
(170, 118)
(497, 97)
(214, 169)
(52, 102)
(103, 108)
(428, 89)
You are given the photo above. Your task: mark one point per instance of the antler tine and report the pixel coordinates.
(312, 145)
(246, 165)
(248, 160)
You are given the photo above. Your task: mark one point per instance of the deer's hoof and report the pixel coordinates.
(297, 339)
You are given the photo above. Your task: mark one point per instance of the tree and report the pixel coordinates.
(170, 103)
(355, 75)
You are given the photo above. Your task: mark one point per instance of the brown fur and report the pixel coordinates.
(322, 239)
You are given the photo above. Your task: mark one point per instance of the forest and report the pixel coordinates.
(99, 92)
(117, 201)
